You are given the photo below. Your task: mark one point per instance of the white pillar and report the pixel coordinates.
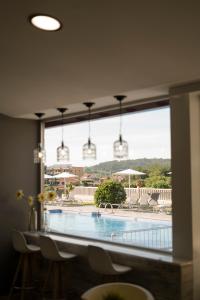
(185, 131)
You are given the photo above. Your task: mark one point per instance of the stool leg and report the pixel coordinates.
(48, 275)
(24, 276)
(60, 280)
(15, 276)
(56, 280)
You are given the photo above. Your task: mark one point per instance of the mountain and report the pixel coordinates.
(139, 164)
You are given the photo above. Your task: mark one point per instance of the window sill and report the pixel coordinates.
(119, 253)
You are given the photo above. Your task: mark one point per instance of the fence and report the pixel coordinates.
(154, 238)
(87, 193)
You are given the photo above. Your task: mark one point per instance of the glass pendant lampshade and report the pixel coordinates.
(89, 149)
(62, 150)
(39, 155)
(120, 147)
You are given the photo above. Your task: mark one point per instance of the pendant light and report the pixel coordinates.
(39, 154)
(120, 147)
(62, 150)
(89, 149)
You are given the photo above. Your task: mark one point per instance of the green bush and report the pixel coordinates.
(110, 192)
(159, 182)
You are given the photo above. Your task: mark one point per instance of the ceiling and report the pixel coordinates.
(138, 48)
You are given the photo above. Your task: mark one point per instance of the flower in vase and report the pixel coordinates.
(19, 194)
(51, 196)
(30, 200)
(41, 197)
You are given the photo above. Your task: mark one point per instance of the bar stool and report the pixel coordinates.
(100, 261)
(126, 291)
(24, 264)
(51, 252)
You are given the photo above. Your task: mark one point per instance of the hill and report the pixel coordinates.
(139, 164)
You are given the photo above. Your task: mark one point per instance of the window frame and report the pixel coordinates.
(100, 113)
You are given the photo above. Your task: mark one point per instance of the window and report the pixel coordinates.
(143, 217)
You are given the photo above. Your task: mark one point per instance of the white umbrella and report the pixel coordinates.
(64, 175)
(129, 172)
(46, 176)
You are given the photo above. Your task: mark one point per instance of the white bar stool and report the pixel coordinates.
(125, 291)
(24, 264)
(100, 261)
(51, 252)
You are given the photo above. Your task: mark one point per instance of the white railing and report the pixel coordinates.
(88, 193)
(154, 238)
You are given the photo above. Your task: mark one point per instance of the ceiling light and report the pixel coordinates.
(45, 22)
(39, 152)
(62, 150)
(89, 149)
(120, 147)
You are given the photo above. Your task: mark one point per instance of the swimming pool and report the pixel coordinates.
(140, 232)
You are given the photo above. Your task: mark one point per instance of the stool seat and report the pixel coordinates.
(120, 268)
(50, 250)
(126, 291)
(66, 255)
(32, 248)
(100, 261)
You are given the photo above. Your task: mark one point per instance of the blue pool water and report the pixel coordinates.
(140, 232)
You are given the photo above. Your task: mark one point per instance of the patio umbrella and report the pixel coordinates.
(129, 172)
(46, 176)
(64, 175)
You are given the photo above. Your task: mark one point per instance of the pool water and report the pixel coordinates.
(137, 231)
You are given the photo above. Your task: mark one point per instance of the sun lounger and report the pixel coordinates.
(130, 202)
(144, 200)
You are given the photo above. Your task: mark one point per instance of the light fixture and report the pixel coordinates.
(62, 150)
(120, 147)
(39, 154)
(45, 22)
(89, 149)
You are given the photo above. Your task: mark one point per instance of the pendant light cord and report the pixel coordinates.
(120, 113)
(62, 131)
(89, 118)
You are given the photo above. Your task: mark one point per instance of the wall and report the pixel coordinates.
(18, 139)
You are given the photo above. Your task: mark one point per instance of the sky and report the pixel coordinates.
(147, 134)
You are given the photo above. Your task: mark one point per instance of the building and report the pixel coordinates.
(147, 50)
(59, 168)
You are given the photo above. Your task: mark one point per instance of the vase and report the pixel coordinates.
(44, 221)
(32, 224)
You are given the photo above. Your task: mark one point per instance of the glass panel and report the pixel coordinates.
(95, 199)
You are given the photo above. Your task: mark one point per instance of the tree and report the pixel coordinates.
(110, 192)
(158, 181)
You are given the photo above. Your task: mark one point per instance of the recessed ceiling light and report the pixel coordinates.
(45, 22)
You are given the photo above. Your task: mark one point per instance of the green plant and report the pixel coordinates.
(158, 181)
(112, 296)
(110, 192)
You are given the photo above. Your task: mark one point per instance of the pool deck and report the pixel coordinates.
(115, 212)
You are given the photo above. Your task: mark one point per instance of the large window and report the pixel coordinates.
(104, 199)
